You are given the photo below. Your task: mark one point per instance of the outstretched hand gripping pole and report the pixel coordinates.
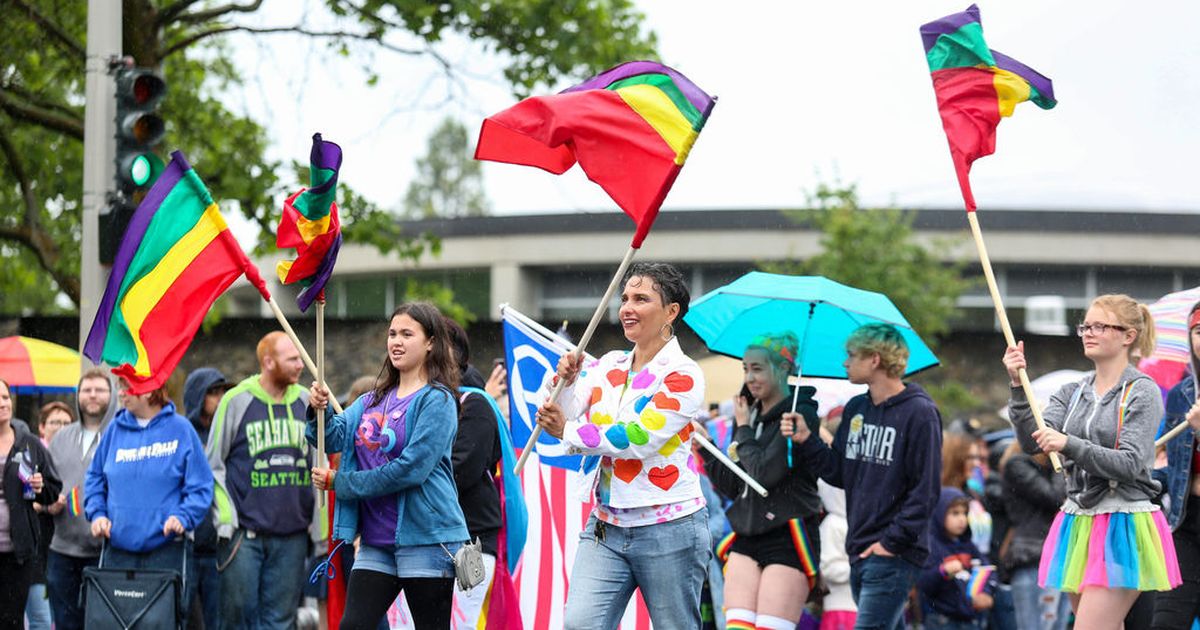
(583, 341)
(1034, 406)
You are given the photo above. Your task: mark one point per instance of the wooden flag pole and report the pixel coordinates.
(583, 342)
(1034, 406)
(1170, 435)
(729, 463)
(308, 362)
(321, 379)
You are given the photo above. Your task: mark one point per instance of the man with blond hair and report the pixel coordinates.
(887, 455)
(263, 503)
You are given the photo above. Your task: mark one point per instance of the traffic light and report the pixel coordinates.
(139, 128)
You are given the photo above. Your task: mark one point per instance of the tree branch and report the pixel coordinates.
(199, 17)
(300, 30)
(35, 100)
(31, 234)
(72, 45)
(168, 13)
(70, 126)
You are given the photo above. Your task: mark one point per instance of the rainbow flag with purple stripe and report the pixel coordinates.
(979, 579)
(176, 258)
(310, 224)
(75, 501)
(975, 88)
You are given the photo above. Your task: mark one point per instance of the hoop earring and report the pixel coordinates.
(665, 326)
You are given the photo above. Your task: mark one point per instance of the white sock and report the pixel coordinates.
(771, 622)
(740, 619)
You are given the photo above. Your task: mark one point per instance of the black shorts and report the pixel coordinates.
(797, 544)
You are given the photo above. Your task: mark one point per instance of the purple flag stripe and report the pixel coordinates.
(1043, 84)
(320, 277)
(694, 94)
(325, 155)
(138, 224)
(944, 26)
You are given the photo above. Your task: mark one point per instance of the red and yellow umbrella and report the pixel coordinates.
(32, 366)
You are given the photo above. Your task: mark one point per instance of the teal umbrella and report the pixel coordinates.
(822, 313)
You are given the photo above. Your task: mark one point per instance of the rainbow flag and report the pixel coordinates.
(176, 258)
(75, 501)
(310, 224)
(975, 88)
(979, 579)
(630, 128)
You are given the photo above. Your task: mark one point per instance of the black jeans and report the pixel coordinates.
(371, 592)
(1176, 608)
(17, 577)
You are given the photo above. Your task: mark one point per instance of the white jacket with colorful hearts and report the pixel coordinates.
(644, 429)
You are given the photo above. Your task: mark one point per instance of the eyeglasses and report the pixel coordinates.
(1097, 328)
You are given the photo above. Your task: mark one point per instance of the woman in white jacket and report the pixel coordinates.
(630, 413)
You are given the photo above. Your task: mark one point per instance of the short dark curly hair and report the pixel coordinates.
(668, 283)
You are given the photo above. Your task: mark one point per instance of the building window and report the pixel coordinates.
(365, 297)
(1143, 285)
(1067, 282)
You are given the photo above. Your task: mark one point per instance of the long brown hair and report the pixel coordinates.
(956, 448)
(440, 365)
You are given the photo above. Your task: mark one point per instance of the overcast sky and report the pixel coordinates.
(808, 92)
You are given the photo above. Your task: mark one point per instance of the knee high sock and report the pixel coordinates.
(740, 619)
(771, 622)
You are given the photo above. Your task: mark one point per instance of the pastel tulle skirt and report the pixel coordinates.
(1131, 550)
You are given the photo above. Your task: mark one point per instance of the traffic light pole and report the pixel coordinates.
(99, 131)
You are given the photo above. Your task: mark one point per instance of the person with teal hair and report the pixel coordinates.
(773, 555)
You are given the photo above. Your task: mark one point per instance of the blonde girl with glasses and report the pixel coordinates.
(1109, 541)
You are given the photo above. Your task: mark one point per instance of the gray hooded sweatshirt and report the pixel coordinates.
(1108, 470)
(72, 456)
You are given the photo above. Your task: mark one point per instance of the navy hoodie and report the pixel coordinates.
(947, 594)
(888, 459)
(140, 476)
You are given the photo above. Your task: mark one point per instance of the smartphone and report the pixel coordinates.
(497, 361)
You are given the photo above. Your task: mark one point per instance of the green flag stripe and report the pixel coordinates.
(315, 207)
(664, 83)
(961, 49)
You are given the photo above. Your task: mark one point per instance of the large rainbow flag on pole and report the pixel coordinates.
(630, 128)
(310, 224)
(176, 258)
(975, 87)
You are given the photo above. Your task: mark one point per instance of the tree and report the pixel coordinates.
(41, 102)
(449, 179)
(874, 250)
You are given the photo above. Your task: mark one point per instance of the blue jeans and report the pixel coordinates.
(880, 585)
(208, 589)
(667, 561)
(938, 621)
(37, 608)
(175, 555)
(1037, 607)
(260, 589)
(64, 581)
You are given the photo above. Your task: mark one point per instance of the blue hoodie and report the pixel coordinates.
(140, 476)
(947, 594)
(888, 459)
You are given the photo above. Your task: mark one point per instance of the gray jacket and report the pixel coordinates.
(73, 534)
(1104, 464)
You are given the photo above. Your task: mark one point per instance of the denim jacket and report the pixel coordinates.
(421, 478)
(1179, 450)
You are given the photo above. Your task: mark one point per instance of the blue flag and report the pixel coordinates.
(530, 357)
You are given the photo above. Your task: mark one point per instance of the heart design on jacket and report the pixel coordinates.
(677, 382)
(685, 432)
(664, 476)
(601, 418)
(666, 449)
(627, 469)
(590, 435)
(597, 394)
(617, 377)
(665, 402)
(643, 380)
(652, 419)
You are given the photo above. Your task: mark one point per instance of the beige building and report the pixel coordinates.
(557, 266)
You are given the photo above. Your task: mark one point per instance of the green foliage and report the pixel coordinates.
(953, 399)
(874, 249)
(440, 296)
(42, 97)
(449, 179)
(542, 41)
